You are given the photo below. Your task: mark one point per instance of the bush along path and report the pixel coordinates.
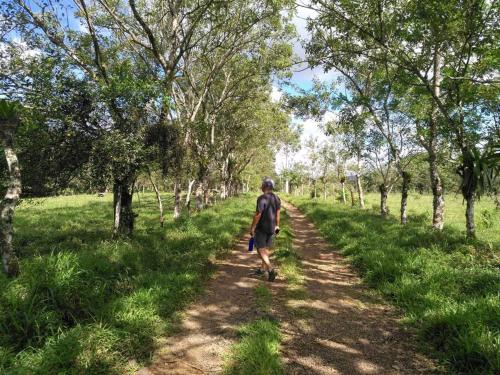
(316, 318)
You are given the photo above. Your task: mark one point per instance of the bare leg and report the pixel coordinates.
(264, 254)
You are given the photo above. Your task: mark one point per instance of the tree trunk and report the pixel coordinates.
(343, 193)
(436, 185)
(384, 192)
(437, 193)
(188, 196)
(353, 201)
(469, 187)
(404, 196)
(206, 195)
(359, 187)
(10, 261)
(122, 202)
(199, 196)
(287, 186)
(324, 190)
(223, 190)
(469, 217)
(158, 197)
(177, 198)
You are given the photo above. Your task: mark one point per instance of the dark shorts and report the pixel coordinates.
(263, 240)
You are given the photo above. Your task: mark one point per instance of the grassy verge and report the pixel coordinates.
(289, 262)
(258, 351)
(448, 286)
(86, 303)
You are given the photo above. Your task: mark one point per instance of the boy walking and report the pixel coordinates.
(265, 224)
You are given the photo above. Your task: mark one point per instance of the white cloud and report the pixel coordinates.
(304, 74)
(311, 129)
(276, 94)
(303, 77)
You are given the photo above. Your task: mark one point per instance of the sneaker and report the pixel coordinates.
(258, 272)
(272, 275)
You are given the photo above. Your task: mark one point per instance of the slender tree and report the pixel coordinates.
(9, 120)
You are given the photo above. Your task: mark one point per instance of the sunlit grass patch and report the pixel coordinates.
(87, 303)
(289, 261)
(257, 352)
(263, 297)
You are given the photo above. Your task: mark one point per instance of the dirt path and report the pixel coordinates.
(336, 327)
(209, 327)
(340, 327)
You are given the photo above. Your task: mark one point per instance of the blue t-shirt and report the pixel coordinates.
(267, 204)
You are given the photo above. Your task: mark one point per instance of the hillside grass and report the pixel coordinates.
(86, 303)
(447, 286)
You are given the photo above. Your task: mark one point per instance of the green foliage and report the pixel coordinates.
(86, 303)
(480, 170)
(9, 111)
(446, 284)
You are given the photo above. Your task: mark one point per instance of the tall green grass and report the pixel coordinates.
(447, 285)
(86, 303)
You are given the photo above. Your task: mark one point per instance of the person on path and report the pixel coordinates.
(265, 224)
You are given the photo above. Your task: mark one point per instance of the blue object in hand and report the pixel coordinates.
(250, 244)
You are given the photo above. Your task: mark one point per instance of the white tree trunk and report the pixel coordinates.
(177, 198)
(10, 261)
(189, 192)
(436, 184)
(361, 194)
(158, 197)
(384, 193)
(122, 201)
(199, 196)
(117, 195)
(404, 197)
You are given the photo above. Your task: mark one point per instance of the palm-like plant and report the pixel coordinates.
(479, 171)
(9, 113)
(483, 170)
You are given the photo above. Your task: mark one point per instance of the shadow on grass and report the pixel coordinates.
(90, 303)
